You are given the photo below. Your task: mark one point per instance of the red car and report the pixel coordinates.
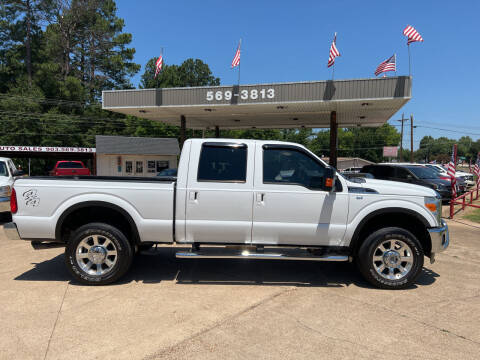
(69, 168)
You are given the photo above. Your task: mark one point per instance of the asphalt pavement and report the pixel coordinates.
(215, 309)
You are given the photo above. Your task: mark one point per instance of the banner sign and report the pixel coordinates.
(46, 149)
(390, 151)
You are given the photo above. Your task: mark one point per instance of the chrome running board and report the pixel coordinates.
(271, 254)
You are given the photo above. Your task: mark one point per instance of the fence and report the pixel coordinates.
(462, 200)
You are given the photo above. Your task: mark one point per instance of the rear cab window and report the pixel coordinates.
(223, 162)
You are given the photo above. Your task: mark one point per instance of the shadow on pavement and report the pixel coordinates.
(156, 265)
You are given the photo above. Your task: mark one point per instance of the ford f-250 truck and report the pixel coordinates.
(251, 199)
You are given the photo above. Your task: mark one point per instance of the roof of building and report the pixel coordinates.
(347, 162)
(357, 102)
(136, 145)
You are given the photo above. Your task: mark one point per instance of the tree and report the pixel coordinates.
(190, 73)
(87, 40)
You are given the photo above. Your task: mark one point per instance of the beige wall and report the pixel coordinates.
(107, 165)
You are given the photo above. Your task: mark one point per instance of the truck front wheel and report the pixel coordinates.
(98, 254)
(391, 258)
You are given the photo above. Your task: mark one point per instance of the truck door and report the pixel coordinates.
(220, 193)
(290, 208)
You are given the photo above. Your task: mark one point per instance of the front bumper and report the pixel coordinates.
(11, 231)
(440, 239)
(4, 204)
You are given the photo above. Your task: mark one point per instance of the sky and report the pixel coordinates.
(290, 40)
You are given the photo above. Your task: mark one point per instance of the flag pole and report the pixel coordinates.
(409, 62)
(333, 67)
(240, 62)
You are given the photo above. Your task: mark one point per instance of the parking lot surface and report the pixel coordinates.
(208, 309)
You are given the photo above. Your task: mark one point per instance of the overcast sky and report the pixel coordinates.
(290, 40)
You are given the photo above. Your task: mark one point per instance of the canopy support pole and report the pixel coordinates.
(183, 130)
(333, 139)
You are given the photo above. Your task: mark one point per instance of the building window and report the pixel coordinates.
(162, 165)
(223, 163)
(139, 167)
(151, 166)
(128, 167)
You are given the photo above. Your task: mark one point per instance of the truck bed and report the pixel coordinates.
(42, 200)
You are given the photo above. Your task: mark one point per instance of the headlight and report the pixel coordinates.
(434, 204)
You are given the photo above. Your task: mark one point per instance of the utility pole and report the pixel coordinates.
(411, 138)
(401, 138)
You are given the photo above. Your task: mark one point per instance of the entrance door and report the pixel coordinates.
(220, 193)
(290, 208)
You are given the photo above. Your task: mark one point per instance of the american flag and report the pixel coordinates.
(476, 169)
(158, 65)
(412, 34)
(451, 170)
(388, 65)
(333, 52)
(236, 58)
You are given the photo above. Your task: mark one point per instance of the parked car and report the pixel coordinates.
(351, 170)
(252, 199)
(413, 174)
(168, 172)
(464, 176)
(69, 168)
(8, 173)
(351, 176)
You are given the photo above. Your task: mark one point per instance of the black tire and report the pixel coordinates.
(370, 248)
(124, 253)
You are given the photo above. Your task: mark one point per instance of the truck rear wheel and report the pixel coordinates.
(391, 258)
(98, 254)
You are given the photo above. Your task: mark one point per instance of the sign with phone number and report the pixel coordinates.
(252, 94)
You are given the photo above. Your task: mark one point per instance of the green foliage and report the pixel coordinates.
(190, 73)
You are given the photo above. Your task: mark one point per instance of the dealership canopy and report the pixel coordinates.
(361, 102)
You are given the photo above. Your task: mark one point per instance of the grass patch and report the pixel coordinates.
(473, 216)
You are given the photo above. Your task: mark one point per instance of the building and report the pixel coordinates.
(349, 162)
(135, 156)
(315, 104)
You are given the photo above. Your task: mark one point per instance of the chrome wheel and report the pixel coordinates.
(96, 255)
(393, 259)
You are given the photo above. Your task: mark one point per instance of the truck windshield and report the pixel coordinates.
(3, 169)
(423, 172)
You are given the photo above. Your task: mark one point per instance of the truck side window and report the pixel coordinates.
(3, 169)
(223, 163)
(288, 166)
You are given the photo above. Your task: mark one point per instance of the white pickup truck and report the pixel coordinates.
(234, 198)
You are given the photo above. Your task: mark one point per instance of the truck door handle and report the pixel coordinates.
(193, 195)
(260, 197)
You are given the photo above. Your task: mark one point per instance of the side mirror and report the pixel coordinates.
(18, 173)
(330, 178)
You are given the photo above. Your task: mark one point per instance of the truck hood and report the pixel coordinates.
(385, 187)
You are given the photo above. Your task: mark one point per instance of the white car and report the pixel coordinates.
(467, 177)
(251, 199)
(8, 172)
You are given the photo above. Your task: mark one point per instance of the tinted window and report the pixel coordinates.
(291, 167)
(423, 172)
(402, 174)
(379, 172)
(69, 165)
(3, 169)
(223, 163)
